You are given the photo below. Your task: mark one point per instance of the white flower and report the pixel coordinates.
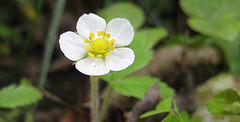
(98, 48)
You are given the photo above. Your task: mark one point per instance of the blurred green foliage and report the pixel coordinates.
(18, 100)
(14, 96)
(8, 116)
(224, 84)
(174, 116)
(217, 18)
(164, 106)
(186, 118)
(222, 28)
(225, 102)
(11, 34)
(171, 118)
(124, 10)
(232, 54)
(166, 91)
(152, 35)
(136, 86)
(12, 30)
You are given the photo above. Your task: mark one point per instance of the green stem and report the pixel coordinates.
(29, 113)
(105, 103)
(48, 51)
(55, 23)
(94, 99)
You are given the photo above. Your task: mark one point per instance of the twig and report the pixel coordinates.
(57, 99)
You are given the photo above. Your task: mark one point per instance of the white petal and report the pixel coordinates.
(92, 66)
(120, 59)
(72, 46)
(88, 23)
(121, 30)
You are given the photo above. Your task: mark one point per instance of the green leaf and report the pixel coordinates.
(214, 85)
(13, 96)
(233, 108)
(5, 31)
(12, 34)
(143, 54)
(195, 120)
(232, 54)
(152, 35)
(176, 110)
(171, 118)
(211, 9)
(226, 29)
(124, 10)
(26, 82)
(149, 113)
(217, 18)
(223, 102)
(185, 116)
(163, 106)
(206, 91)
(195, 8)
(136, 86)
(165, 90)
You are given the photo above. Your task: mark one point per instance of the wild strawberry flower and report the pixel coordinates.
(98, 48)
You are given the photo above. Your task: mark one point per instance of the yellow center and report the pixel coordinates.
(100, 46)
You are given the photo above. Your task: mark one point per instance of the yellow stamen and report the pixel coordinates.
(113, 41)
(103, 33)
(90, 48)
(99, 56)
(107, 54)
(107, 40)
(107, 35)
(87, 48)
(91, 35)
(90, 54)
(99, 33)
(86, 41)
(103, 51)
(112, 48)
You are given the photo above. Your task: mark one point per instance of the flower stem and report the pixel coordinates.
(94, 99)
(105, 103)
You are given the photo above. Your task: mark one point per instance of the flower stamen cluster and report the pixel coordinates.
(100, 46)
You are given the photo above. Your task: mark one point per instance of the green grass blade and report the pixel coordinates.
(55, 23)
